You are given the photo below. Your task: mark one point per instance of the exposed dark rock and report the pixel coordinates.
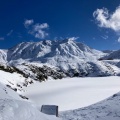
(15, 89)
(24, 97)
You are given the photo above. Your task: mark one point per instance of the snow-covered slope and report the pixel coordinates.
(3, 56)
(104, 110)
(67, 93)
(14, 81)
(12, 107)
(113, 55)
(108, 51)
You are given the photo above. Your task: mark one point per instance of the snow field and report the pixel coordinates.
(73, 93)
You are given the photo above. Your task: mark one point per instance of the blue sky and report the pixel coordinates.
(95, 22)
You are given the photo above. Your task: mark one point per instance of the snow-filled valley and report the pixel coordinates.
(77, 78)
(73, 93)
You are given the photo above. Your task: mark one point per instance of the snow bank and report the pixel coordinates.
(19, 110)
(12, 107)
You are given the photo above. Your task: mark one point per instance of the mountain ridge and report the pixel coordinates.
(62, 57)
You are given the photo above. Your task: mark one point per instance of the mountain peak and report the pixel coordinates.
(65, 54)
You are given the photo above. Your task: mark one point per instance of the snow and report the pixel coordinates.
(19, 110)
(71, 57)
(3, 56)
(69, 93)
(65, 54)
(13, 80)
(112, 55)
(73, 93)
(12, 107)
(108, 109)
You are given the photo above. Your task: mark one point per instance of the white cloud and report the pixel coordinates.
(73, 38)
(39, 30)
(27, 23)
(62, 38)
(119, 39)
(2, 38)
(40, 34)
(105, 37)
(107, 20)
(11, 31)
(40, 26)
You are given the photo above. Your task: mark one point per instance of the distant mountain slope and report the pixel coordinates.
(113, 55)
(3, 56)
(108, 51)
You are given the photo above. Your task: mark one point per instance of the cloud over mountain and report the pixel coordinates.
(37, 30)
(27, 23)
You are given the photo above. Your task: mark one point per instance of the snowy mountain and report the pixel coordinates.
(3, 56)
(22, 66)
(113, 55)
(108, 51)
(60, 57)
(52, 51)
